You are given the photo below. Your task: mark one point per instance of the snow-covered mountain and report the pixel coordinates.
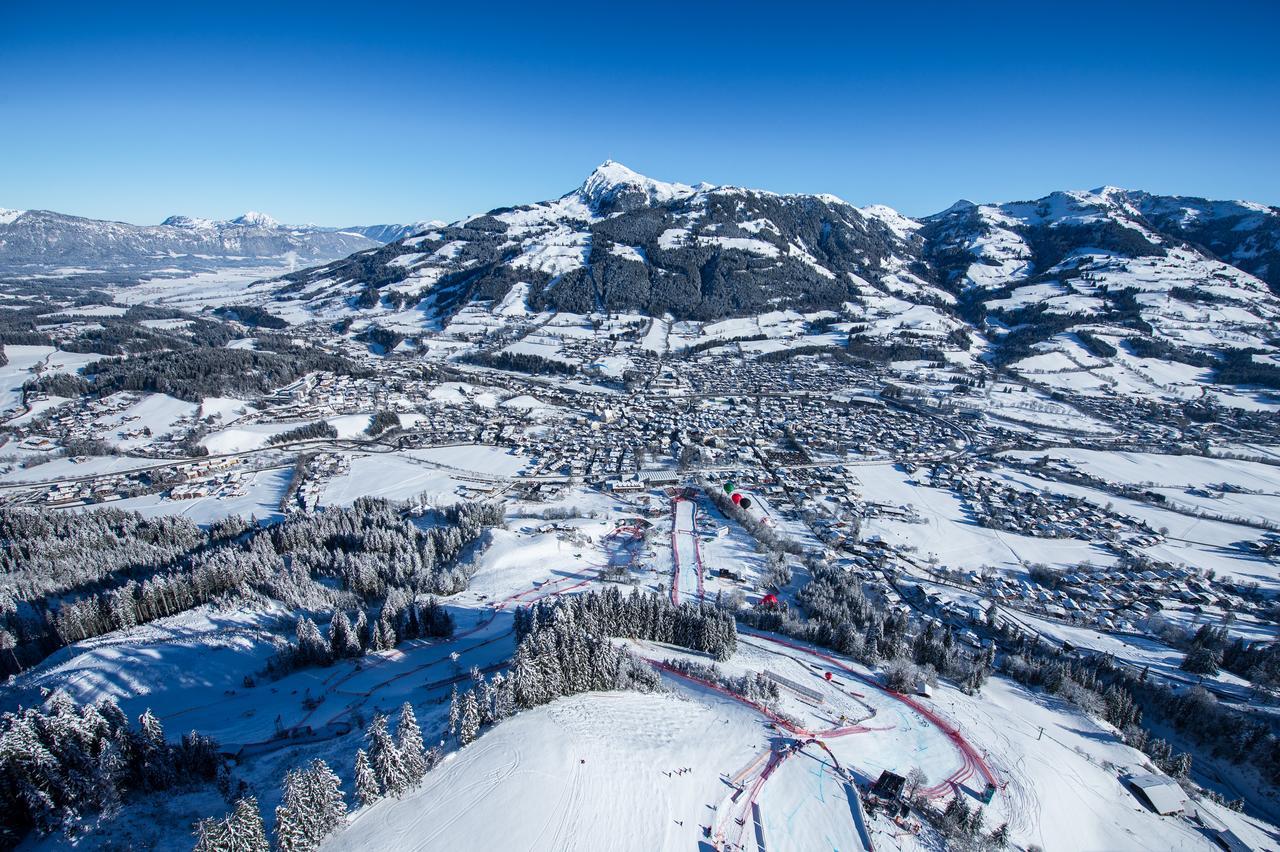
(1186, 272)
(1076, 279)
(622, 241)
(41, 242)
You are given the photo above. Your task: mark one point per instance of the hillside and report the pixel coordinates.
(1089, 291)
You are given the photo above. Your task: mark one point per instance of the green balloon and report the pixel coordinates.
(728, 487)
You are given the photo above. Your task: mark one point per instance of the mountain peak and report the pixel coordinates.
(256, 220)
(190, 222)
(614, 186)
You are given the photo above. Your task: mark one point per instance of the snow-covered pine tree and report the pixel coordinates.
(528, 689)
(368, 790)
(549, 666)
(409, 741)
(291, 834)
(312, 649)
(342, 639)
(241, 831)
(455, 709)
(387, 638)
(500, 697)
(469, 723)
(247, 832)
(154, 761)
(484, 697)
(361, 631)
(326, 804)
(388, 768)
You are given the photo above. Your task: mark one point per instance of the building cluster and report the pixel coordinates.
(216, 477)
(320, 395)
(82, 419)
(318, 470)
(996, 505)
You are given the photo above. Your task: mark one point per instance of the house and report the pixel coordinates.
(1160, 793)
(889, 786)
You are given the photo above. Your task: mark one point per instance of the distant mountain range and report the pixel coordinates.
(1009, 279)
(35, 243)
(1073, 281)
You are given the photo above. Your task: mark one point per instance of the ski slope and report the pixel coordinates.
(590, 772)
(686, 577)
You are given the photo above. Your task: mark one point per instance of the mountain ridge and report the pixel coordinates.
(1069, 281)
(41, 242)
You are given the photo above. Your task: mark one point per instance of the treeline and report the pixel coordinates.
(1152, 347)
(400, 618)
(384, 338)
(307, 432)
(112, 335)
(1212, 648)
(73, 577)
(1095, 346)
(66, 764)
(68, 385)
(873, 349)
(1126, 699)
(49, 553)
(723, 341)
(1239, 368)
(382, 421)
(841, 617)
(786, 354)
(699, 627)
(752, 686)
(199, 373)
(522, 362)
(251, 315)
(553, 660)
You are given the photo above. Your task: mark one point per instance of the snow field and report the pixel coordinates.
(586, 772)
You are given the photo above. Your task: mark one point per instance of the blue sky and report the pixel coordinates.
(382, 112)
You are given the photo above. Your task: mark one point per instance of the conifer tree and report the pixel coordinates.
(409, 741)
(455, 710)
(291, 836)
(342, 639)
(469, 723)
(388, 768)
(368, 790)
(361, 630)
(241, 831)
